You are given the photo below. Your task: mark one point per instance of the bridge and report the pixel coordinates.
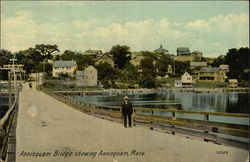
(53, 129)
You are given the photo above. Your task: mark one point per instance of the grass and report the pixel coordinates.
(210, 84)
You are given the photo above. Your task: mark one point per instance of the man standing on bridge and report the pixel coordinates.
(127, 111)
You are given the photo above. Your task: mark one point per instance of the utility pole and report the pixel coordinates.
(15, 78)
(9, 81)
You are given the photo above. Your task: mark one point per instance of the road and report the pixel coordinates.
(50, 131)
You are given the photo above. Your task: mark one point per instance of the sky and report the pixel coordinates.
(211, 27)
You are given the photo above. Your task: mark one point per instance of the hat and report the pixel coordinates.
(126, 98)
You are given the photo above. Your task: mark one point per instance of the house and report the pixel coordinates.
(224, 67)
(186, 81)
(183, 51)
(233, 83)
(196, 54)
(105, 58)
(64, 67)
(161, 50)
(177, 84)
(90, 52)
(183, 58)
(197, 66)
(87, 77)
(212, 74)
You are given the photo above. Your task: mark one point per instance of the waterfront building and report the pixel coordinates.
(212, 74)
(64, 67)
(233, 83)
(87, 77)
(105, 58)
(177, 84)
(186, 80)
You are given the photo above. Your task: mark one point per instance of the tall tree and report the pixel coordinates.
(239, 63)
(5, 57)
(162, 64)
(46, 50)
(148, 74)
(121, 55)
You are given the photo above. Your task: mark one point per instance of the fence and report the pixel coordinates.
(7, 133)
(173, 121)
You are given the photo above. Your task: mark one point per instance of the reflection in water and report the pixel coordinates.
(208, 102)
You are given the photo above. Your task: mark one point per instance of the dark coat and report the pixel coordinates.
(127, 109)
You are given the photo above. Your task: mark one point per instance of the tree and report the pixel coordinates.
(46, 50)
(106, 72)
(82, 61)
(148, 74)
(5, 57)
(130, 72)
(239, 63)
(218, 61)
(182, 67)
(162, 64)
(121, 55)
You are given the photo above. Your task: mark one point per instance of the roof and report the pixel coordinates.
(232, 80)
(79, 73)
(198, 64)
(183, 49)
(64, 64)
(161, 49)
(105, 54)
(210, 70)
(89, 51)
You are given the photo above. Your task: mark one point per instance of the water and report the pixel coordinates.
(4, 104)
(206, 102)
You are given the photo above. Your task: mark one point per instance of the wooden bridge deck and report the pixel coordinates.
(45, 126)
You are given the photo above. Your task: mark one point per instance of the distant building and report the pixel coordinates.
(95, 53)
(212, 74)
(87, 77)
(186, 81)
(196, 54)
(105, 58)
(225, 67)
(233, 83)
(184, 58)
(170, 70)
(161, 50)
(183, 51)
(64, 67)
(177, 84)
(197, 66)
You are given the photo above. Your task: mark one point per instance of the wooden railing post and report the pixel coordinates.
(151, 119)
(172, 126)
(206, 118)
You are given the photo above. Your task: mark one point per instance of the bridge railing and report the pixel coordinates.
(6, 129)
(205, 125)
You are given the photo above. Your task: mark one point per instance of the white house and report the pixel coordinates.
(186, 81)
(88, 77)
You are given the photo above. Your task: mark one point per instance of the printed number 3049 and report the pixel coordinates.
(221, 152)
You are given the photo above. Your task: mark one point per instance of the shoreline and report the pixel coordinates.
(144, 90)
